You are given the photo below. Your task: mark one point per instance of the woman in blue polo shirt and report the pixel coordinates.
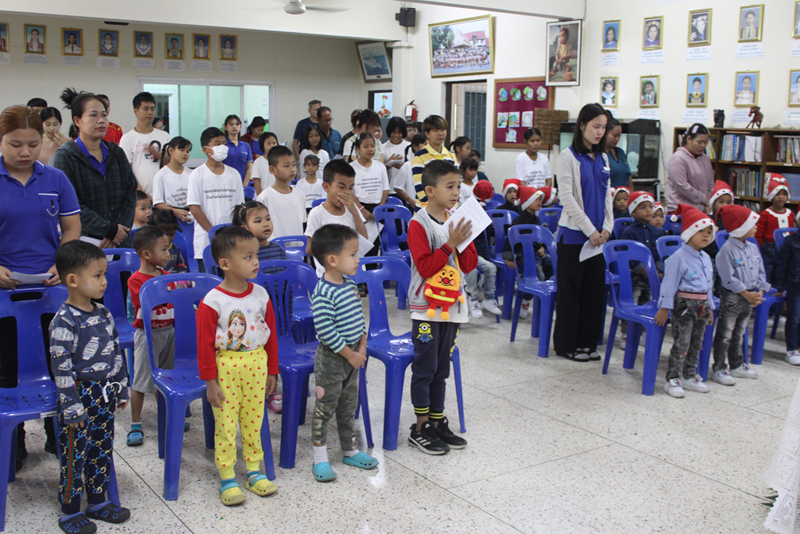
(583, 188)
(240, 155)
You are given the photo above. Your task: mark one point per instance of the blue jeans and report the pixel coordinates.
(793, 317)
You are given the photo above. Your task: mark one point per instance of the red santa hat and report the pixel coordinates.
(738, 220)
(527, 196)
(637, 197)
(511, 183)
(619, 190)
(777, 183)
(483, 190)
(692, 220)
(658, 206)
(550, 194)
(720, 188)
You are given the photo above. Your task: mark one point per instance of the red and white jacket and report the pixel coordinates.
(161, 316)
(769, 221)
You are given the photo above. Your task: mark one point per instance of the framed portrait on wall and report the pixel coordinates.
(71, 42)
(374, 61)
(653, 33)
(109, 43)
(200, 44)
(173, 46)
(751, 22)
(796, 32)
(794, 88)
(143, 44)
(648, 91)
(3, 37)
(696, 90)
(460, 47)
(563, 52)
(35, 39)
(608, 91)
(611, 35)
(746, 89)
(700, 27)
(228, 45)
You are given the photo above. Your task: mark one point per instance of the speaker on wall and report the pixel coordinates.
(407, 17)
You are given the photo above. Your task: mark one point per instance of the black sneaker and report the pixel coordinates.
(427, 440)
(446, 435)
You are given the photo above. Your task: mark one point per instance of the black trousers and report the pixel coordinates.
(579, 301)
(433, 346)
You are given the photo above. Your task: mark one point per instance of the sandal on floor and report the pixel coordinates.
(260, 485)
(275, 403)
(78, 524)
(110, 513)
(361, 460)
(323, 472)
(135, 438)
(231, 494)
(581, 357)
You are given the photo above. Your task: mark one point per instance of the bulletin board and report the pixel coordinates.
(515, 102)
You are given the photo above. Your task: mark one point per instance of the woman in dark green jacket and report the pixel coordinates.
(99, 172)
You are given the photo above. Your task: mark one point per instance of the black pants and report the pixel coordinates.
(579, 301)
(433, 345)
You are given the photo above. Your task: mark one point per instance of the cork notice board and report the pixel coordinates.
(517, 102)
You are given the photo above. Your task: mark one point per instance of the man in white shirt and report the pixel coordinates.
(143, 144)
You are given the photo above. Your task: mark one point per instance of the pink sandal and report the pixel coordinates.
(275, 402)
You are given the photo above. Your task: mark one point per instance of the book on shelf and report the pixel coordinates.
(793, 181)
(745, 148)
(788, 149)
(745, 181)
(749, 204)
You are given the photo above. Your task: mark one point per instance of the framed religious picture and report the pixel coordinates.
(796, 33)
(71, 42)
(460, 47)
(173, 46)
(794, 88)
(109, 43)
(697, 90)
(699, 27)
(374, 61)
(751, 22)
(143, 44)
(746, 94)
(563, 52)
(200, 46)
(611, 35)
(228, 47)
(608, 91)
(3, 37)
(35, 39)
(648, 91)
(653, 33)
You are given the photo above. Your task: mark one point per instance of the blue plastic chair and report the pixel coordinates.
(493, 204)
(550, 218)
(296, 361)
(781, 234)
(180, 241)
(36, 394)
(396, 352)
(501, 221)
(249, 192)
(667, 245)
(674, 227)
(187, 230)
(544, 292)
(124, 260)
(499, 198)
(294, 245)
(620, 225)
(317, 202)
(394, 201)
(214, 230)
(395, 220)
(619, 255)
(209, 263)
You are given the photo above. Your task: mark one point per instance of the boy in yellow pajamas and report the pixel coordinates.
(237, 354)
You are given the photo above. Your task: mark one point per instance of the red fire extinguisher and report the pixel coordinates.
(411, 111)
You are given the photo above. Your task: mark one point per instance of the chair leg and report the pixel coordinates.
(208, 424)
(705, 352)
(161, 410)
(395, 376)
(290, 417)
(266, 445)
(113, 489)
(304, 401)
(508, 295)
(537, 313)
(632, 344)
(760, 319)
(546, 311)
(612, 333)
(454, 357)
(515, 316)
(176, 417)
(652, 351)
(363, 402)
(777, 320)
(7, 438)
(12, 466)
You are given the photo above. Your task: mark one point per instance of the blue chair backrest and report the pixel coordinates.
(249, 192)
(124, 260)
(27, 305)
(295, 274)
(394, 200)
(501, 220)
(493, 204)
(391, 235)
(667, 245)
(388, 269)
(620, 225)
(619, 255)
(526, 235)
(209, 263)
(499, 198)
(187, 230)
(550, 218)
(675, 227)
(155, 292)
(781, 234)
(215, 229)
(317, 202)
(180, 242)
(294, 245)
(722, 236)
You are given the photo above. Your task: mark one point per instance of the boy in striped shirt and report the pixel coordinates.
(435, 129)
(342, 349)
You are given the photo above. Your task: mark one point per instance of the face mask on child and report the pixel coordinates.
(220, 153)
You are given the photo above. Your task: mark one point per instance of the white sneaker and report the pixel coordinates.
(793, 357)
(475, 309)
(523, 312)
(622, 341)
(674, 388)
(694, 384)
(492, 307)
(723, 377)
(744, 371)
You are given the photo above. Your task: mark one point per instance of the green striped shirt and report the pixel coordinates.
(338, 316)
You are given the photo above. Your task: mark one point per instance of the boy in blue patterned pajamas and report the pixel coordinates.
(92, 381)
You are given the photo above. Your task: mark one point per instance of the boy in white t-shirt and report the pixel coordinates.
(339, 206)
(214, 190)
(530, 167)
(311, 183)
(143, 144)
(287, 206)
(171, 183)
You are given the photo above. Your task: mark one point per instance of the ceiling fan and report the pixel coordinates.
(297, 7)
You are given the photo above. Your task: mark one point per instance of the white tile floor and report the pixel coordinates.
(554, 447)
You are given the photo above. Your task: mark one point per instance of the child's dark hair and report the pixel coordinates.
(412, 124)
(50, 113)
(312, 159)
(305, 144)
(360, 138)
(228, 119)
(475, 154)
(367, 118)
(468, 163)
(586, 115)
(210, 133)
(434, 122)
(37, 103)
(354, 117)
(257, 122)
(141, 98)
(141, 195)
(264, 137)
(76, 102)
(146, 238)
(164, 219)
(337, 166)
(435, 170)
(694, 130)
(396, 123)
(330, 239)
(176, 143)
(276, 153)
(459, 142)
(530, 132)
(241, 212)
(74, 256)
(226, 240)
(418, 139)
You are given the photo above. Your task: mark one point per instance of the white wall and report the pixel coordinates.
(565, 9)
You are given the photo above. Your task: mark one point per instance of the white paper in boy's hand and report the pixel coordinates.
(91, 240)
(589, 251)
(471, 211)
(30, 278)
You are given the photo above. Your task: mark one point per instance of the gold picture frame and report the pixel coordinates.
(197, 53)
(228, 54)
(145, 50)
(613, 46)
(796, 32)
(3, 36)
(699, 36)
(107, 49)
(475, 33)
(740, 98)
(645, 98)
(794, 96)
(608, 100)
(648, 41)
(174, 52)
(757, 11)
(31, 46)
(72, 49)
(697, 98)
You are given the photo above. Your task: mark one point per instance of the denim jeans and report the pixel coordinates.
(734, 312)
(793, 317)
(489, 278)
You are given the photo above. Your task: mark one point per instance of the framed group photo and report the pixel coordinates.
(143, 44)
(751, 22)
(173, 46)
(611, 35)
(608, 91)
(35, 39)
(228, 45)
(700, 27)
(746, 89)
(648, 91)
(794, 88)
(109, 41)
(3, 37)
(200, 48)
(460, 47)
(564, 53)
(374, 61)
(653, 33)
(697, 89)
(71, 42)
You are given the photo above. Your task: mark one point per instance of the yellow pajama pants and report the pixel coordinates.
(242, 376)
